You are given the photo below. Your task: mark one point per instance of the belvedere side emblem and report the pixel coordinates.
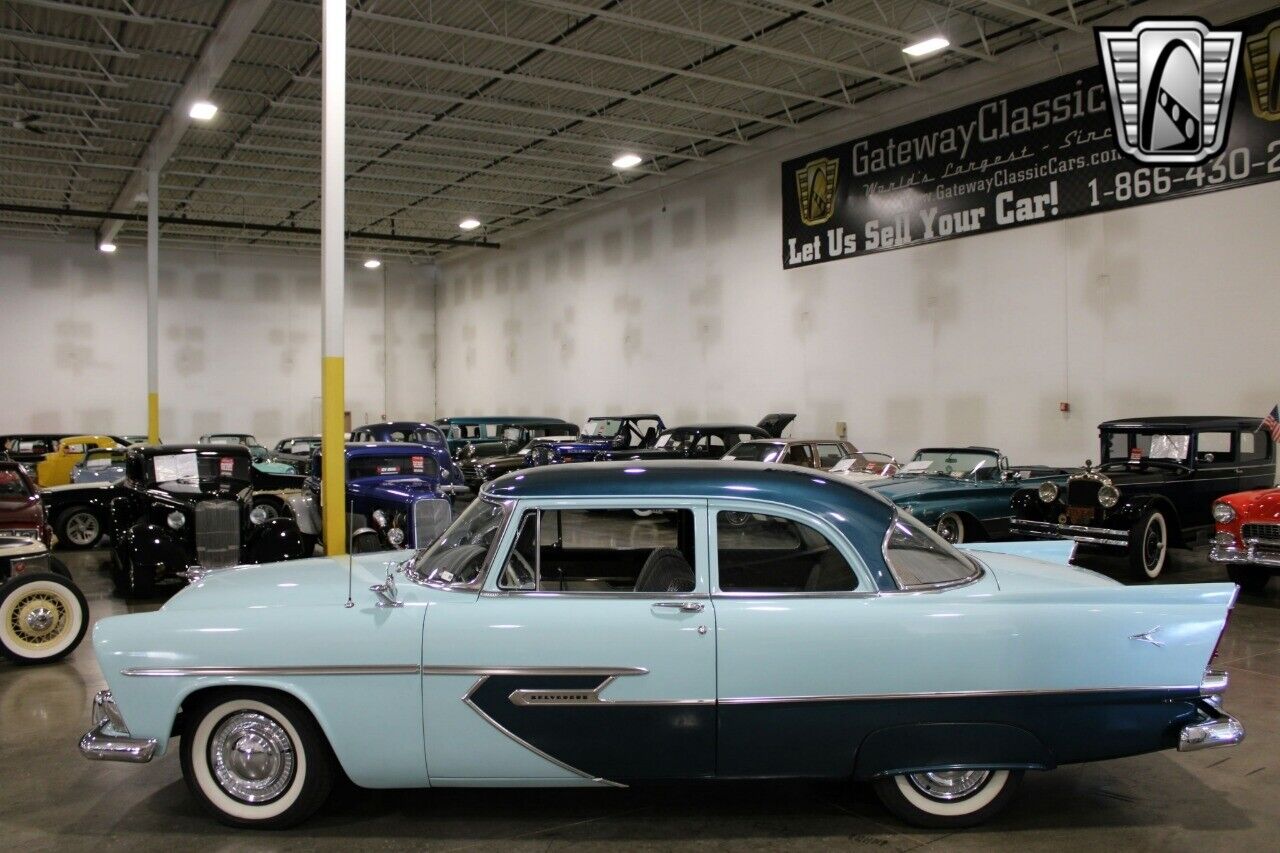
(1262, 72)
(1148, 637)
(816, 189)
(1170, 81)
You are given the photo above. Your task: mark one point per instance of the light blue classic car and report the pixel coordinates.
(552, 637)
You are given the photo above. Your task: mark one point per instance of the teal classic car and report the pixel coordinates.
(552, 637)
(964, 493)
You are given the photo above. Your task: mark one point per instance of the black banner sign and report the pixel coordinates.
(1038, 154)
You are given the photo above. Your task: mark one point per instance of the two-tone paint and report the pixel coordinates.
(1029, 665)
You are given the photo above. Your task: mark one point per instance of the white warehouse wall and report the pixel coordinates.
(682, 307)
(239, 340)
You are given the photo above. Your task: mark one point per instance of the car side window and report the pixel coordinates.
(1254, 447)
(800, 454)
(764, 553)
(830, 454)
(1214, 447)
(602, 550)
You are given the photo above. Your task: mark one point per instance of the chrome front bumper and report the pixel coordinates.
(1088, 535)
(1248, 554)
(109, 739)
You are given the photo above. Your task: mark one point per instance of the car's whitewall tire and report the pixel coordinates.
(948, 799)
(45, 617)
(256, 759)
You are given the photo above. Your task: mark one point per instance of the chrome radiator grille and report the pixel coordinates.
(217, 534)
(1266, 535)
(430, 518)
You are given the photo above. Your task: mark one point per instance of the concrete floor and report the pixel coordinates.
(51, 799)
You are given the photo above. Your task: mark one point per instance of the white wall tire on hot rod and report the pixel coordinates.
(948, 799)
(1149, 544)
(254, 758)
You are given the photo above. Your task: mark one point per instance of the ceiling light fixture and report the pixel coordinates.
(202, 110)
(372, 264)
(107, 247)
(926, 46)
(469, 224)
(627, 161)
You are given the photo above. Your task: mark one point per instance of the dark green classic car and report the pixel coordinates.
(964, 493)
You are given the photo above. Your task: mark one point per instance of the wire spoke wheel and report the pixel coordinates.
(44, 617)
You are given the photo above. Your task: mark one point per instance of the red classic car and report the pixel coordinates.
(1248, 536)
(21, 512)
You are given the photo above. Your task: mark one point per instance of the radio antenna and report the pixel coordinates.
(351, 538)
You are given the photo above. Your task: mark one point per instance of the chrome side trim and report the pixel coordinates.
(466, 700)
(582, 698)
(958, 694)
(450, 669)
(225, 671)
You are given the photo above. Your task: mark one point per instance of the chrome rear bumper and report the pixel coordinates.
(1088, 535)
(109, 739)
(1214, 729)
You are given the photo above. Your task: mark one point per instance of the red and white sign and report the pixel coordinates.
(226, 465)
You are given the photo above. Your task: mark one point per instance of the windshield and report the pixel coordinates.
(750, 451)
(382, 466)
(199, 468)
(950, 463)
(459, 556)
(919, 557)
(603, 427)
(12, 486)
(1145, 447)
(427, 436)
(228, 438)
(302, 446)
(675, 439)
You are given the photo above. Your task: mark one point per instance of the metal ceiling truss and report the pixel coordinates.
(508, 111)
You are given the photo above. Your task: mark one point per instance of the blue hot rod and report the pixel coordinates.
(394, 497)
(551, 637)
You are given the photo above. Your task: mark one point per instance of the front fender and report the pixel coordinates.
(154, 546)
(274, 540)
(364, 692)
(1130, 509)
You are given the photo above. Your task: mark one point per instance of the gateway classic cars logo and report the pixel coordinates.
(816, 190)
(1170, 82)
(1262, 72)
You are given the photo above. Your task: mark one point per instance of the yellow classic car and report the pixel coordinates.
(55, 468)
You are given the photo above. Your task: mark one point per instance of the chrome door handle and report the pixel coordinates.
(682, 606)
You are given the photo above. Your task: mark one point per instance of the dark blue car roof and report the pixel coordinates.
(863, 517)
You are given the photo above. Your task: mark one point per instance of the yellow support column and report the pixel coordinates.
(153, 305)
(333, 474)
(153, 418)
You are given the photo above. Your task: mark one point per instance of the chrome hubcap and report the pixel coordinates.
(949, 784)
(948, 531)
(40, 619)
(252, 757)
(82, 528)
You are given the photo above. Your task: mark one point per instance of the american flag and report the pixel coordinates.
(1271, 423)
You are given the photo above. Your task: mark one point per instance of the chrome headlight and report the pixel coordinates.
(1048, 492)
(1108, 496)
(175, 520)
(379, 518)
(445, 474)
(257, 515)
(395, 536)
(1223, 513)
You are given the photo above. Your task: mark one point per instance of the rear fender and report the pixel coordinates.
(952, 746)
(1060, 551)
